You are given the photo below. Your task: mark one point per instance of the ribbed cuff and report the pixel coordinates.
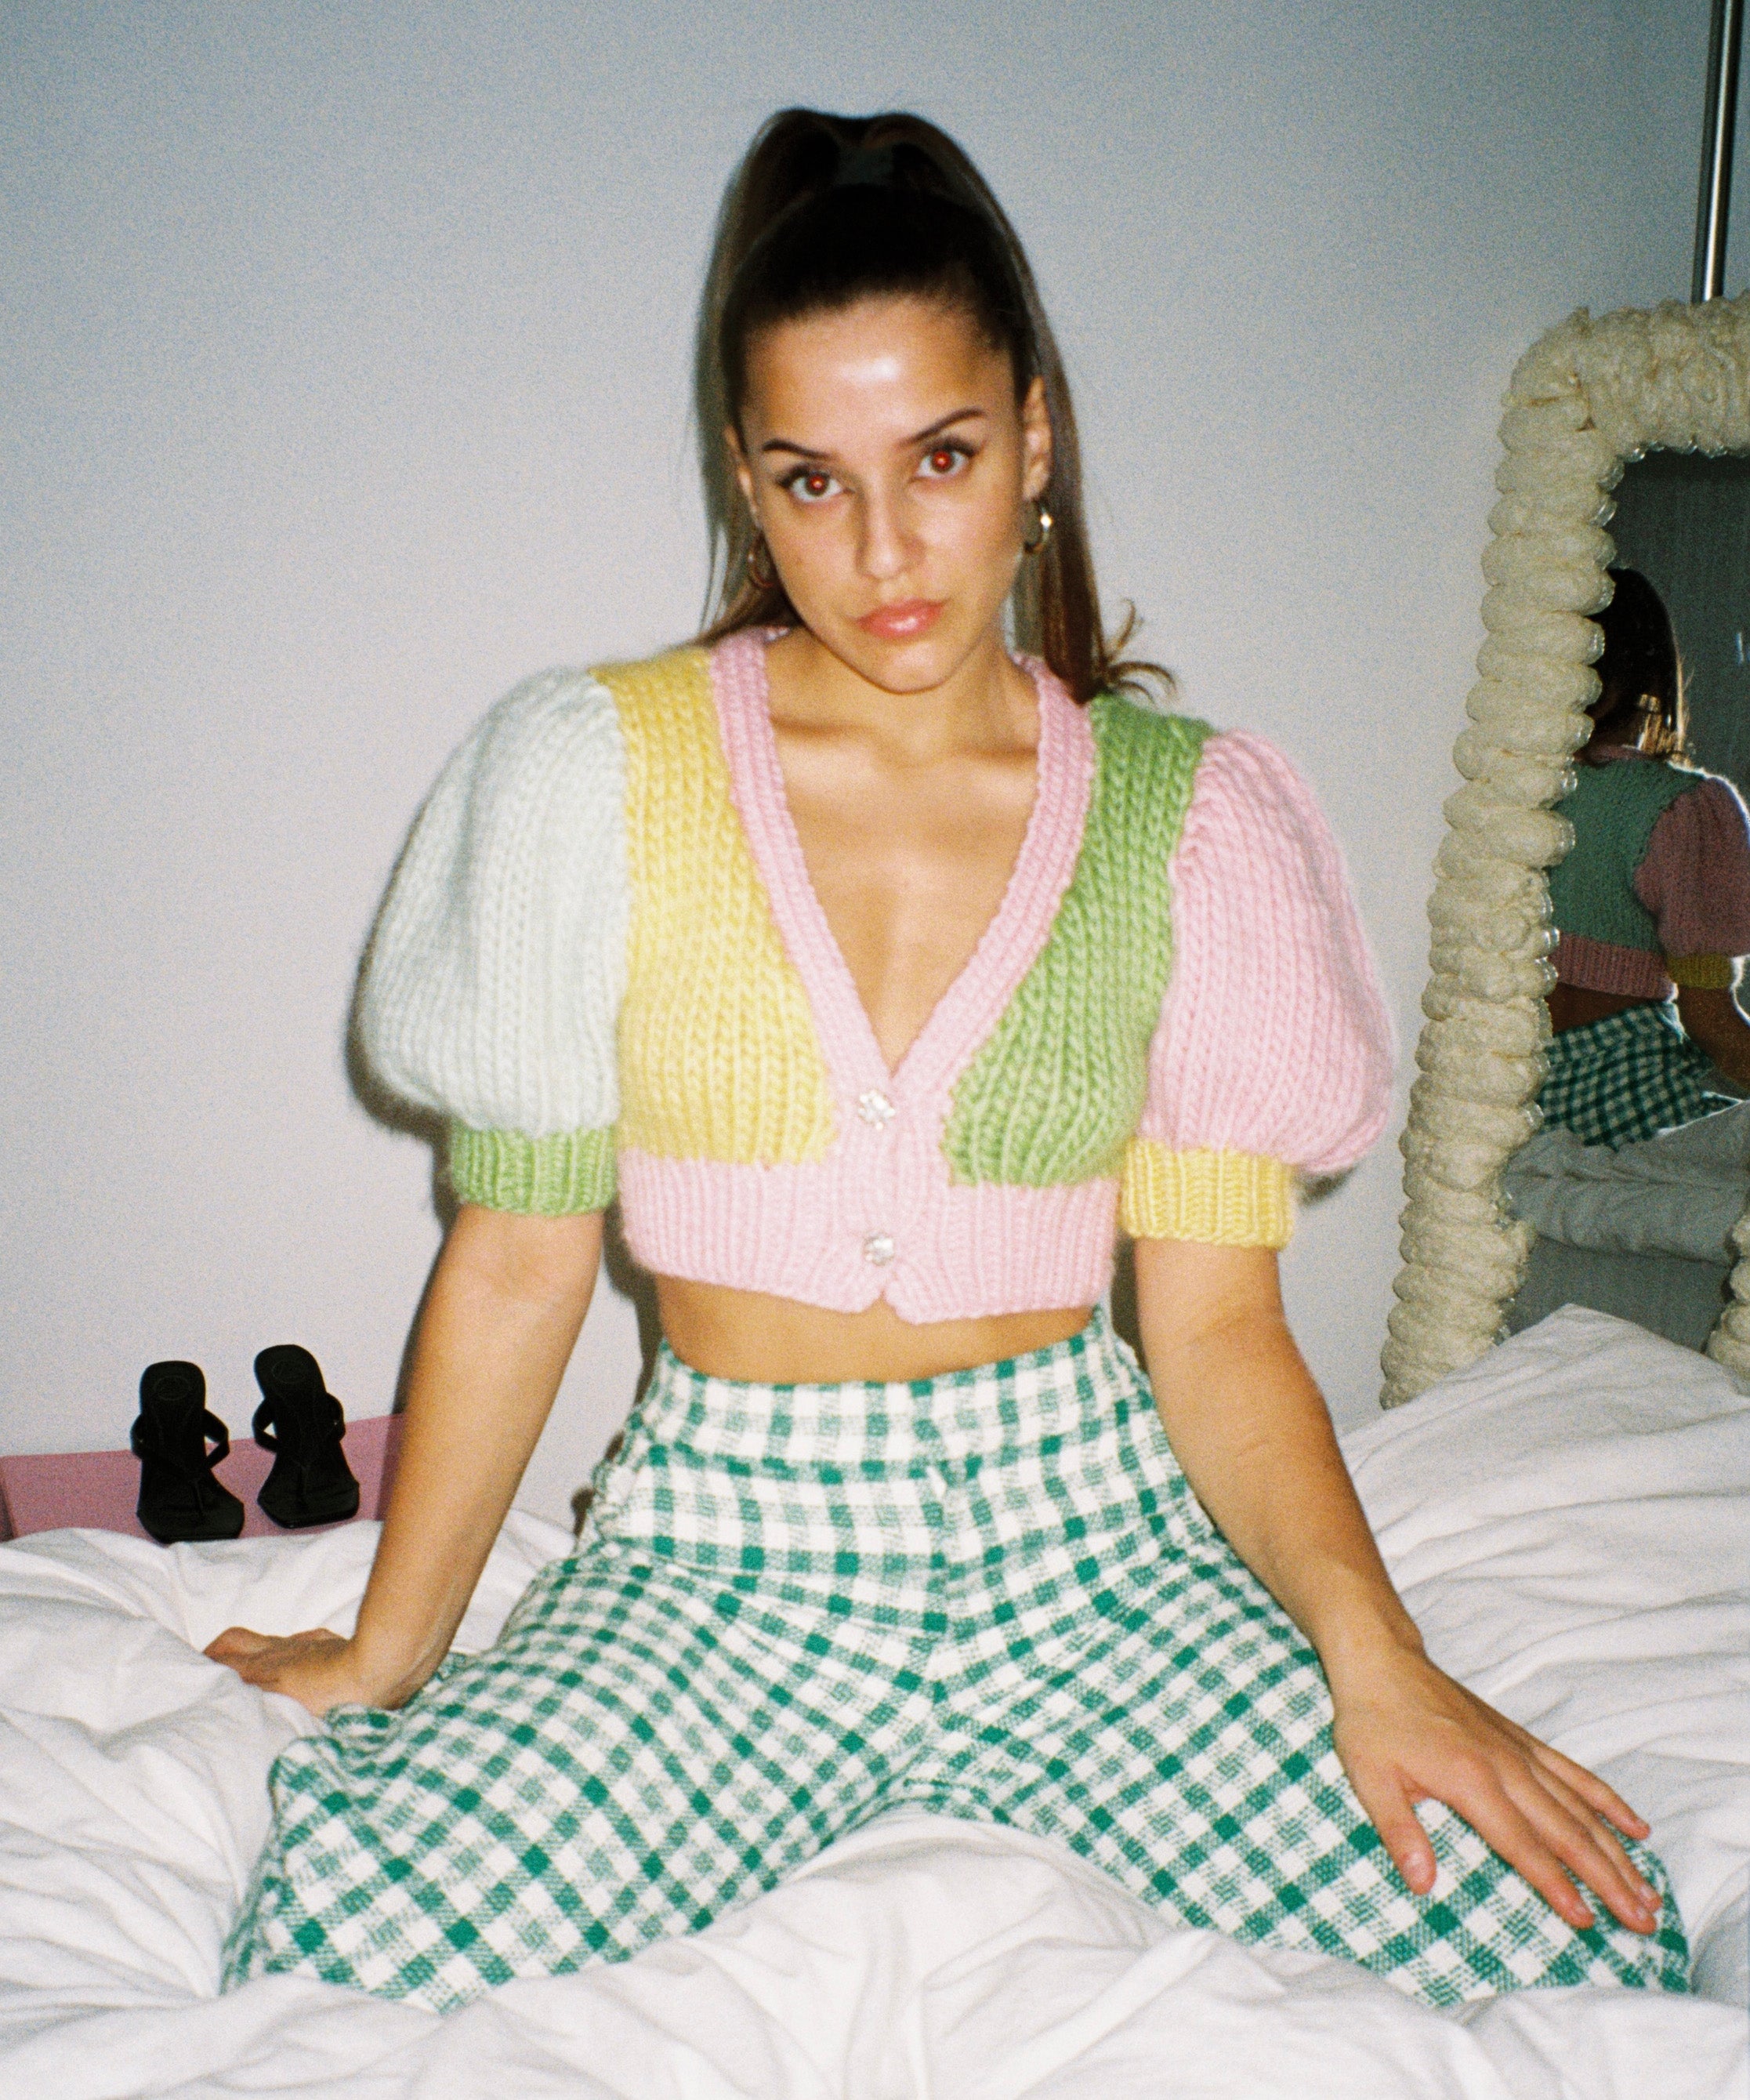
(1703, 972)
(542, 1177)
(1216, 1198)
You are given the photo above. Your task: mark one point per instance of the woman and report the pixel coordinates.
(1651, 905)
(877, 969)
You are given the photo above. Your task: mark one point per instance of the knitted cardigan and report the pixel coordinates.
(1655, 893)
(602, 960)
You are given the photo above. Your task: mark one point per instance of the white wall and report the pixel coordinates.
(344, 375)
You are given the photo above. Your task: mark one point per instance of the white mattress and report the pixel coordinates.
(1571, 1523)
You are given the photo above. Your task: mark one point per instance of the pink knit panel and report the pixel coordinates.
(950, 1252)
(1590, 965)
(1695, 876)
(1274, 1038)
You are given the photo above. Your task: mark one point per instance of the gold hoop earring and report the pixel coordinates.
(762, 578)
(1042, 522)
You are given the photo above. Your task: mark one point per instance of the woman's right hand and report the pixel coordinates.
(316, 1668)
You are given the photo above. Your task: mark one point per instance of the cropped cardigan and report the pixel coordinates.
(1657, 887)
(602, 960)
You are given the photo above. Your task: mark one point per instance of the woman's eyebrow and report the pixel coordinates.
(918, 437)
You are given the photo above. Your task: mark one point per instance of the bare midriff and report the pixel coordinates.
(1573, 1006)
(760, 1339)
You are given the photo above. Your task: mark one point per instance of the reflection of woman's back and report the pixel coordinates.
(1653, 901)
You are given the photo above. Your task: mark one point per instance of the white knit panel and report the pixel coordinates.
(493, 987)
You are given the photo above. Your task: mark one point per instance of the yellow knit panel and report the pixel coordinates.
(719, 1058)
(1703, 972)
(1217, 1199)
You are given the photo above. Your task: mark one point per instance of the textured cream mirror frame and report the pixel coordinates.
(1585, 400)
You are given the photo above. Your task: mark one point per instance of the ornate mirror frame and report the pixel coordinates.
(1585, 400)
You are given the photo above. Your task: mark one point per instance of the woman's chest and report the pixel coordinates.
(910, 866)
(980, 969)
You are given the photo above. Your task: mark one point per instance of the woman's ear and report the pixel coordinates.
(739, 461)
(1035, 441)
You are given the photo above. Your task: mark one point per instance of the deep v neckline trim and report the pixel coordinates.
(1017, 930)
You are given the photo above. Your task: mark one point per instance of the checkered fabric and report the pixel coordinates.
(990, 1593)
(1627, 1077)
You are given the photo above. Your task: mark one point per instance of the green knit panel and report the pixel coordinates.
(542, 1177)
(1053, 1094)
(1613, 810)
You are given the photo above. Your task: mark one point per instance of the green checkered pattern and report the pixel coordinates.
(991, 1595)
(1627, 1077)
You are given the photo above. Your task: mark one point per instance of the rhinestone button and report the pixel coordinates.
(879, 1249)
(875, 1108)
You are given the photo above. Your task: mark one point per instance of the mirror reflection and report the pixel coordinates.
(1641, 1169)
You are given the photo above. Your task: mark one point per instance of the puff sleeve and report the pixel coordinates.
(1695, 879)
(492, 988)
(1273, 1056)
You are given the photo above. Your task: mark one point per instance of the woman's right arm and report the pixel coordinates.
(499, 1321)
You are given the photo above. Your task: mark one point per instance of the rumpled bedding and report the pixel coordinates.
(1681, 1193)
(1569, 1519)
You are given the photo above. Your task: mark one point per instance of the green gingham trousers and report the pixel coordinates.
(1627, 1077)
(990, 1595)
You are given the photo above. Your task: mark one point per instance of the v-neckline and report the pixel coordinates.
(1012, 937)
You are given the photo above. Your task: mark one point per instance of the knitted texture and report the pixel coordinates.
(719, 1055)
(1217, 1199)
(1273, 1037)
(1601, 966)
(1613, 810)
(1703, 972)
(495, 970)
(605, 918)
(1056, 1091)
(542, 1177)
(1695, 875)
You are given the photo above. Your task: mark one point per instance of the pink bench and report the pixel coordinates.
(98, 1490)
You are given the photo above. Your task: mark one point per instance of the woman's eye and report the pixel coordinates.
(811, 484)
(945, 460)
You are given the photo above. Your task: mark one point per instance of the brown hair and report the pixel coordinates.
(1642, 676)
(826, 211)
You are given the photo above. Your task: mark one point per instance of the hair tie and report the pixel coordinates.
(871, 166)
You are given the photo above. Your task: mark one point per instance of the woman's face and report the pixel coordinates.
(889, 467)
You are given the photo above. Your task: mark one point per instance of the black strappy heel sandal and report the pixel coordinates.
(180, 1503)
(301, 1421)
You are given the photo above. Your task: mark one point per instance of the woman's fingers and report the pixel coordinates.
(1387, 1808)
(234, 1643)
(1602, 1800)
(1584, 1844)
(259, 1657)
(1549, 1842)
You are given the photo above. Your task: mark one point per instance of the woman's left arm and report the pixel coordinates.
(1253, 1434)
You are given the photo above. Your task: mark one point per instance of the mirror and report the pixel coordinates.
(1605, 419)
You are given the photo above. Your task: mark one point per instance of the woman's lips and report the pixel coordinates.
(903, 622)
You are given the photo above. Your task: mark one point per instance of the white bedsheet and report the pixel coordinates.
(1681, 1193)
(1569, 1521)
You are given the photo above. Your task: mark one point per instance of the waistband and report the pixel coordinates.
(1068, 1388)
(1653, 1025)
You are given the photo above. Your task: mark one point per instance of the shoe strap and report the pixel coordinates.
(144, 1444)
(267, 1416)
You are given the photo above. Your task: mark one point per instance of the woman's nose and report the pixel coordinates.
(883, 541)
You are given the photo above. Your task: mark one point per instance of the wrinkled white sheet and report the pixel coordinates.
(1569, 1521)
(1681, 1193)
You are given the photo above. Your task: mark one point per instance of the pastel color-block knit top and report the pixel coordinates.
(601, 958)
(1656, 892)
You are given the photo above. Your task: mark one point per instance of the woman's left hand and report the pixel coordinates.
(1407, 1732)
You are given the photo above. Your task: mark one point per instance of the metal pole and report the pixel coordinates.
(1713, 210)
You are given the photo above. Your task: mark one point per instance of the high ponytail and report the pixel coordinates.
(824, 211)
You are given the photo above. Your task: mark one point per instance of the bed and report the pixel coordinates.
(1644, 1231)
(1570, 1521)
